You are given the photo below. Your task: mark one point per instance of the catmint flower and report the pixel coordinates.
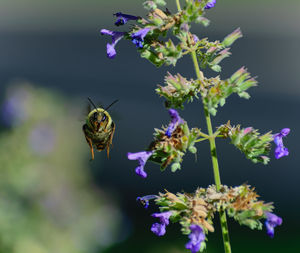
(196, 238)
(124, 18)
(15, 110)
(271, 222)
(195, 38)
(142, 157)
(210, 4)
(160, 228)
(281, 150)
(138, 37)
(116, 37)
(145, 200)
(176, 120)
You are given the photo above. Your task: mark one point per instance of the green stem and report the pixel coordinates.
(213, 152)
(214, 158)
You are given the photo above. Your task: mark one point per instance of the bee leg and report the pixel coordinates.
(113, 128)
(91, 147)
(89, 141)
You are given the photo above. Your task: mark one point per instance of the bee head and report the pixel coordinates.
(99, 119)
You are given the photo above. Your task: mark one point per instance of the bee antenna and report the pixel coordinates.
(111, 104)
(92, 103)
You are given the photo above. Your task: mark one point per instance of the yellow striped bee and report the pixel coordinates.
(99, 128)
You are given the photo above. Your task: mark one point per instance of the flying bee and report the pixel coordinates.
(99, 128)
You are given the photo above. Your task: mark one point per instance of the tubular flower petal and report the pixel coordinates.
(281, 150)
(176, 120)
(142, 158)
(122, 19)
(160, 228)
(145, 200)
(271, 222)
(196, 238)
(116, 37)
(138, 37)
(210, 4)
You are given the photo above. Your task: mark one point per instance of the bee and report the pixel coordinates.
(99, 128)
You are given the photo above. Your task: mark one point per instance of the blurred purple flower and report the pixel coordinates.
(271, 222)
(138, 37)
(210, 4)
(42, 139)
(160, 228)
(145, 200)
(142, 157)
(280, 150)
(176, 120)
(196, 238)
(116, 37)
(195, 38)
(14, 110)
(124, 18)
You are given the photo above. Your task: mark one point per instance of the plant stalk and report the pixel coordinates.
(213, 152)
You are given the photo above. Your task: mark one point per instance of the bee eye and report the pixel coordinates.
(95, 116)
(103, 118)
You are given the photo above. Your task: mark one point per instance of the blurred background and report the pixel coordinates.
(52, 57)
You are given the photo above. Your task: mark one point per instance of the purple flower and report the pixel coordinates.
(142, 157)
(138, 37)
(196, 238)
(271, 222)
(195, 38)
(210, 4)
(15, 108)
(145, 199)
(280, 150)
(174, 122)
(160, 228)
(124, 18)
(116, 37)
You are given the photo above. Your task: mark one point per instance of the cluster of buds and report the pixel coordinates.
(195, 211)
(178, 90)
(169, 145)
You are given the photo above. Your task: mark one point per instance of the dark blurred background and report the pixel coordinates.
(53, 58)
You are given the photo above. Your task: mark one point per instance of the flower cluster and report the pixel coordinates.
(169, 145)
(178, 90)
(195, 211)
(256, 147)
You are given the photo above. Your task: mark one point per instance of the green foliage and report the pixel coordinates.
(256, 147)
